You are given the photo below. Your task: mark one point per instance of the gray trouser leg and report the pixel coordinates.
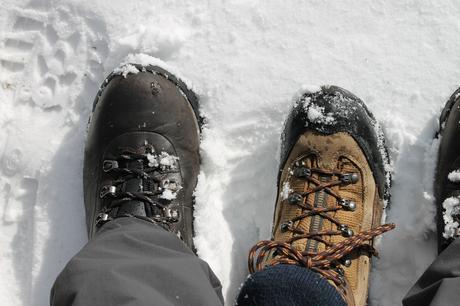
(440, 284)
(134, 262)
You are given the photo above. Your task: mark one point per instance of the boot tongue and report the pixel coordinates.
(453, 194)
(161, 184)
(135, 184)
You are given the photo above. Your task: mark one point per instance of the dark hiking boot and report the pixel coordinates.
(332, 186)
(447, 177)
(142, 151)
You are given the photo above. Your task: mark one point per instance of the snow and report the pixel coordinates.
(285, 191)
(168, 195)
(125, 69)
(454, 176)
(310, 89)
(305, 89)
(316, 114)
(246, 60)
(153, 160)
(163, 160)
(451, 210)
(167, 161)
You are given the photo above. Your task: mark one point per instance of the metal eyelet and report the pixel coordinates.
(349, 178)
(340, 271)
(101, 219)
(169, 184)
(302, 172)
(299, 163)
(295, 198)
(108, 190)
(285, 226)
(348, 204)
(346, 261)
(346, 231)
(172, 214)
(108, 165)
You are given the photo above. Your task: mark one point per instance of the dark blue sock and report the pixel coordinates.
(288, 285)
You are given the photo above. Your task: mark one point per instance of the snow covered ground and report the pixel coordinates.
(246, 59)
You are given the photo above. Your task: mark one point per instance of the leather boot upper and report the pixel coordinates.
(331, 190)
(142, 151)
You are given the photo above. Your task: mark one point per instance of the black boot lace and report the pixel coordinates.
(152, 180)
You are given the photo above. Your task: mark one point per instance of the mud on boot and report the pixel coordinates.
(333, 184)
(142, 151)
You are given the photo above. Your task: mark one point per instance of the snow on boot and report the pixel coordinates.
(447, 178)
(332, 189)
(142, 151)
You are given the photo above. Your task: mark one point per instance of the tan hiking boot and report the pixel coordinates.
(332, 187)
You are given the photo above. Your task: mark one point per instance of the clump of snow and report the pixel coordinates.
(163, 160)
(167, 161)
(454, 176)
(339, 98)
(126, 69)
(171, 188)
(168, 194)
(451, 213)
(153, 161)
(147, 60)
(285, 191)
(316, 114)
(305, 89)
(310, 89)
